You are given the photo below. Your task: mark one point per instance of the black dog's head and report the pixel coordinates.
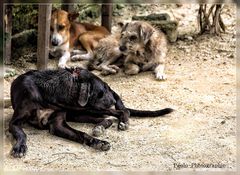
(93, 92)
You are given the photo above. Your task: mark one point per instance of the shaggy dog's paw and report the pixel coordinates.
(123, 126)
(19, 150)
(116, 68)
(98, 131)
(110, 69)
(102, 145)
(75, 57)
(133, 70)
(161, 76)
(108, 72)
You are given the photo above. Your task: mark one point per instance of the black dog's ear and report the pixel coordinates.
(84, 94)
(72, 16)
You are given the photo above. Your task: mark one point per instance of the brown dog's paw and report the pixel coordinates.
(19, 150)
(98, 131)
(102, 145)
(123, 126)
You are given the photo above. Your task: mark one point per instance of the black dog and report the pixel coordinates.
(47, 99)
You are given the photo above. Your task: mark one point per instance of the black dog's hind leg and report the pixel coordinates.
(99, 128)
(124, 117)
(20, 148)
(59, 127)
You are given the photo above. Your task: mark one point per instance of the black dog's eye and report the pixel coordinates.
(133, 38)
(61, 27)
(100, 94)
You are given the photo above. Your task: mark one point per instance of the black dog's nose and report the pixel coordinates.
(54, 42)
(122, 48)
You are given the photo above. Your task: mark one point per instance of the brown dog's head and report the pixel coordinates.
(135, 33)
(60, 25)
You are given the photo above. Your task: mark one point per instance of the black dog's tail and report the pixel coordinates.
(143, 113)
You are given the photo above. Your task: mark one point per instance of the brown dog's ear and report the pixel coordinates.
(145, 33)
(84, 94)
(72, 16)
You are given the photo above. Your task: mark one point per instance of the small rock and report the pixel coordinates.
(231, 55)
(120, 6)
(187, 50)
(190, 38)
(179, 5)
(9, 72)
(223, 122)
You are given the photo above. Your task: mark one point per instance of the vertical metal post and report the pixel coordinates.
(68, 5)
(107, 15)
(8, 33)
(44, 16)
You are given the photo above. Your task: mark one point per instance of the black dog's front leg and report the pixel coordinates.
(101, 123)
(59, 127)
(20, 148)
(124, 117)
(122, 114)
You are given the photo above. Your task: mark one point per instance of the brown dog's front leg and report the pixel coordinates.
(59, 127)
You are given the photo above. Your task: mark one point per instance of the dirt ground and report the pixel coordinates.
(201, 87)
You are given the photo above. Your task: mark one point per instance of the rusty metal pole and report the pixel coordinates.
(44, 16)
(8, 33)
(67, 5)
(107, 15)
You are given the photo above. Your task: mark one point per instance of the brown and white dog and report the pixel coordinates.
(69, 37)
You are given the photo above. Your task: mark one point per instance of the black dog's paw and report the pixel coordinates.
(102, 145)
(98, 131)
(123, 126)
(19, 150)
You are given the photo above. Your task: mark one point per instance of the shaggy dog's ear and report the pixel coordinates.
(124, 27)
(72, 16)
(145, 33)
(84, 94)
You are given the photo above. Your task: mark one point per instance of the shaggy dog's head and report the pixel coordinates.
(135, 33)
